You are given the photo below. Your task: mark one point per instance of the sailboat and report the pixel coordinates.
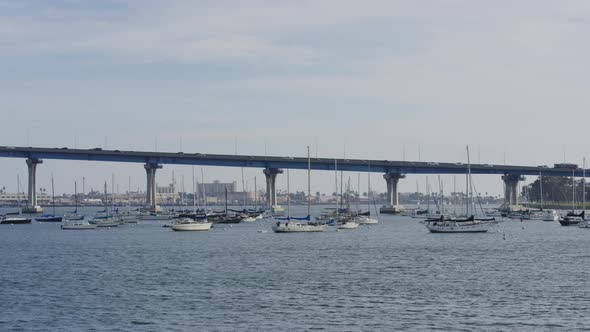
(547, 214)
(105, 220)
(15, 220)
(347, 221)
(572, 218)
(74, 221)
(460, 225)
(73, 215)
(189, 224)
(50, 217)
(293, 224)
(585, 223)
(366, 219)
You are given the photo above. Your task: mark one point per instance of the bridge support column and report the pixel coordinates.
(393, 206)
(271, 177)
(511, 191)
(150, 192)
(32, 206)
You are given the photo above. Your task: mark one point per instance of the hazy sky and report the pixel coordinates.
(365, 77)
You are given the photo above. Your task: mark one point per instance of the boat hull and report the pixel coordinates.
(457, 228)
(348, 225)
(78, 227)
(49, 219)
(15, 221)
(565, 222)
(205, 226)
(297, 228)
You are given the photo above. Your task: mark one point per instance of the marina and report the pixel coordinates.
(334, 166)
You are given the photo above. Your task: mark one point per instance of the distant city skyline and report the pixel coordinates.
(378, 79)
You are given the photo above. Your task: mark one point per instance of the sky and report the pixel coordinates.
(413, 80)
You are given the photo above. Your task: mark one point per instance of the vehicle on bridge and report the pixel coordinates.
(566, 166)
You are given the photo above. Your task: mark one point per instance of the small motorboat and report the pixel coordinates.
(77, 224)
(187, 224)
(348, 225)
(366, 220)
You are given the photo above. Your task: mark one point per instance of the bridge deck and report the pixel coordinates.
(356, 165)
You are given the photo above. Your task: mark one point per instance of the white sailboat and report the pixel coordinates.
(367, 220)
(585, 223)
(106, 220)
(188, 224)
(460, 225)
(295, 225)
(347, 222)
(74, 221)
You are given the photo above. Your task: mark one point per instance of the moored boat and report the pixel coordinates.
(550, 215)
(572, 219)
(187, 224)
(77, 224)
(455, 226)
(349, 224)
(48, 218)
(15, 221)
(296, 227)
(366, 220)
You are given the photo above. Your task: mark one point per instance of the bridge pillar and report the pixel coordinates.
(392, 180)
(150, 192)
(271, 177)
(32, 206)
(511, 191)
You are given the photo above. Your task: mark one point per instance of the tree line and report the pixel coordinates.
(555, 189)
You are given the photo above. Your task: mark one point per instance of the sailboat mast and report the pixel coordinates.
(194, 193)
(467, 183)
(358, 192)
(52, 195)
(17, 189)
(573, 191)
(308, 183)
(341, 188)
(203, 191)
(288, 198)
(255, 194)
(369, 187)
(75, 197)
(584, 185)
(226, 200)
(106, 201)
(243, 190)
(427, 195)
(113, 192)
(336, 181)
(541, 188)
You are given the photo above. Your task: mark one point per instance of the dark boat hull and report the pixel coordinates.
(49, 219)
(565, 222)
(16, 221)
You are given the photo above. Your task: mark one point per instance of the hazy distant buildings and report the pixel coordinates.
(216, 188)
(14, 199)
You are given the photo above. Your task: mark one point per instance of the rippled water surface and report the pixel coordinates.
(392, 276)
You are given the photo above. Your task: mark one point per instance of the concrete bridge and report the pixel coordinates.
(392, 170)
